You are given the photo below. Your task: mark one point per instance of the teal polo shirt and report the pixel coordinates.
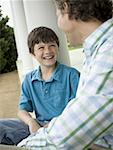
(48, 98)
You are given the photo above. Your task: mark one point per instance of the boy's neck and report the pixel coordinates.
(47, 72)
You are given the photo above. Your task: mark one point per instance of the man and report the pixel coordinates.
(46, 90)
(90, 115)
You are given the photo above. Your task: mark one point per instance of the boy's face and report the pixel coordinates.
(46, 53)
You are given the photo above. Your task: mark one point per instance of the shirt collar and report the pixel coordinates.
(36, 75)
(92, 40)
(56, 74)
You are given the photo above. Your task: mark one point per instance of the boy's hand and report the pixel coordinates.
(33, 125)
(46, 125)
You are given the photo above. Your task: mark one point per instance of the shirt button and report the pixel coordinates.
(46, 91)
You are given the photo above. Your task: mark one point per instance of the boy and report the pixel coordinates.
(46, 90)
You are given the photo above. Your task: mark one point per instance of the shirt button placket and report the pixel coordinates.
(46, 91)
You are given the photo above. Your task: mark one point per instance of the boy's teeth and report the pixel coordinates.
(48, 57)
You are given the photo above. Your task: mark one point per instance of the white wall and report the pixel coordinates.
(76, 58)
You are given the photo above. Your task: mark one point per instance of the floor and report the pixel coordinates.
(9, 94)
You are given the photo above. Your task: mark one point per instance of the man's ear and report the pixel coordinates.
(65, 7)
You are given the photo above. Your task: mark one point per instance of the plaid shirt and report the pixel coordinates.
(91, 114)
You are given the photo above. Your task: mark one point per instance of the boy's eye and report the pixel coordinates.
(52, 45)
(41, 48)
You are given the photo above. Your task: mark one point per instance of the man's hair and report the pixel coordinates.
(41, 34)
(87, 10)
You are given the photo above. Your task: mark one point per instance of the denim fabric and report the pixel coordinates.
(12, 131)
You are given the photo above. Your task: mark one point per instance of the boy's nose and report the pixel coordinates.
(47, 49)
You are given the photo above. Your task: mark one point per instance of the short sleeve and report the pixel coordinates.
(25, 102)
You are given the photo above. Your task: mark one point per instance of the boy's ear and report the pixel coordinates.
(33, 55)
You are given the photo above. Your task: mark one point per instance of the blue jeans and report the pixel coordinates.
(106, 141)
(12, 131)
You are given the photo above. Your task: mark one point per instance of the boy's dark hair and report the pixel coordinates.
(87, 10)
(41, 34)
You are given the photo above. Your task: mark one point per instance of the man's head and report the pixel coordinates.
(79, 18)
(43, 43)
(86, 10)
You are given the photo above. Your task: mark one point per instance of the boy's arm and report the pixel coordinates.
(29, 120)
(25, 106)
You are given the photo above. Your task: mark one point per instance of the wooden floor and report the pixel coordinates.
(7, 147)
(9, 94)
